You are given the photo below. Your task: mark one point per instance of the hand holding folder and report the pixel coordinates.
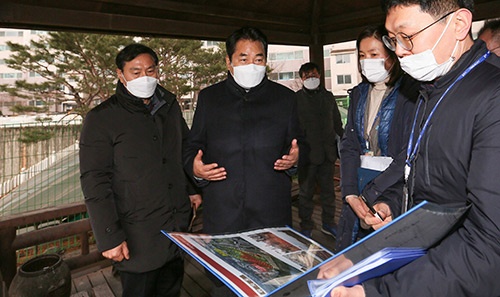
(380, 263)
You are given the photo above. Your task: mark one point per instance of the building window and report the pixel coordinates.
(296, 55)
(2, 62)
(34, 74)
(11, 33)
(285, 76)
(344, 79)
(326, 53)
(343, 58)
(4, 47)
(38, 32)
(212, 43)
(11, 75)
(328, 73)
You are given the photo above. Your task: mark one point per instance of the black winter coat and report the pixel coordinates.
(321, 122)
(244, 132)
(458, 163)
(132, 177)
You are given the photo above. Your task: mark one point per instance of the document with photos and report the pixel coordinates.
(254, 263)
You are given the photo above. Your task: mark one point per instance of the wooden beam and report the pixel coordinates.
(204, 10)
(27, 16)
(51, 233)
(486, 10)
(352, 17)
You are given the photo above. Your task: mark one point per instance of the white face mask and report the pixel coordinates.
(423, 66)
(311, 83)
(248, 76)
(142, 87)
(374, 70)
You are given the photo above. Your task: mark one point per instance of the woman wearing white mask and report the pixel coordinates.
(377, 126)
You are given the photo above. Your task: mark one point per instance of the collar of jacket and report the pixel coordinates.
(477, 50)
(134, 104)
(318, 90)
(240, 91)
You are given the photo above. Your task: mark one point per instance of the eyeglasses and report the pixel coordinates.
(404, 40)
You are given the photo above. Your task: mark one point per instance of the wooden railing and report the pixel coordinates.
(10, 242)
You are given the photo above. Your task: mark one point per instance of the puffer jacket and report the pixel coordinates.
(132, 177)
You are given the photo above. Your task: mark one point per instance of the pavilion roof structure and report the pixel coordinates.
(290, 22)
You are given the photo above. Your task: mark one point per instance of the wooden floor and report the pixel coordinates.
(99, 281)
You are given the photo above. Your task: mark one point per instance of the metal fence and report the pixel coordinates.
(38, 164)
(39, 168)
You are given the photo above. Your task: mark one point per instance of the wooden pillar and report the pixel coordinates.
(84, 242)
(8, 260)
(316, 45)
(316, 56)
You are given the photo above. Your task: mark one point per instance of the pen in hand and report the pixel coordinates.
(370, 207)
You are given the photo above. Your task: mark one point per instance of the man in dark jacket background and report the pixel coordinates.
(132, 177)
(453, 157)
(322, 125)
(490, 34)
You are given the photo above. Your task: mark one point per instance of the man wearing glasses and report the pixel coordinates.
(453, 152)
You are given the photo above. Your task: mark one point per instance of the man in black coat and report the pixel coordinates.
(454, 153)
(132, 177)
(322, 125)
(243, 144)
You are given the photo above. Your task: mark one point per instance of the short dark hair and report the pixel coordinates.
(310, 66)
(131, 51)
(436, 8)
(245, 33)
(493, 26)
(377, 32)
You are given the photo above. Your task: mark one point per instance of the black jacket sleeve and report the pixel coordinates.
(96, 163)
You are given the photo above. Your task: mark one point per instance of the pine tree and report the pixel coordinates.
(75, 66)
(186, 67)
(81, 67)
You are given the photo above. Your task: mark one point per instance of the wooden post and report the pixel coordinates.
(316, 45)
(84, 242)
(8, 260)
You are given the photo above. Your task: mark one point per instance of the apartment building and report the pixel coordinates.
(340, 64)
(8, 76)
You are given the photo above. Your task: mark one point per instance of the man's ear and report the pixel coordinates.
(228, 64)
(120, 75)
(463, 23)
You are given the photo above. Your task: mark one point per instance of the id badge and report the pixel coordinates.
(407, 172)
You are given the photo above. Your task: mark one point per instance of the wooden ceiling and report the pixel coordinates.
(295, 22)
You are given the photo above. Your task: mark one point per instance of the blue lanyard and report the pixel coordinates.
(411, 151)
